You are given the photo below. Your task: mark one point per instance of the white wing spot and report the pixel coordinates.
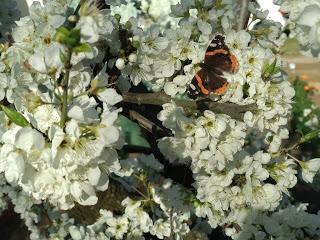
(192, 87)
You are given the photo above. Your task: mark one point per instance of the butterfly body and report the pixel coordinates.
(218, 60)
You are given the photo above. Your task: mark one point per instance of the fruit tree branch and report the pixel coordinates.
(233, 110)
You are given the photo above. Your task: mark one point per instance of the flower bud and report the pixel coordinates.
(120, 63)
(132, 57)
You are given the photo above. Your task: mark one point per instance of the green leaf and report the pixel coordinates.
(270, 69)
(84, 47)
(61, 34)
(311, 135)
(276, 70)
(132, 132)
(15, 116)
(63, 57)
(117, 17)
(75, 34)
(135, 44)
(69, 38)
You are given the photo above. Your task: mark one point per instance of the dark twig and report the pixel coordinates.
(233, 110)
(149, 125)
(146, 98)
(143, 122)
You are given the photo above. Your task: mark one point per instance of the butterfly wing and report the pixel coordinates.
(219, 56)
(216, 83)
(206, 81)
(218, 60)
(198, 85)
(221, 60)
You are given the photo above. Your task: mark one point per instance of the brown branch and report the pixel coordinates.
(233, 110)
(243, 15)
(150, 126)
(146, 98)
(143, 122)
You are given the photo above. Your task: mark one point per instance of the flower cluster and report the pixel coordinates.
(211, 139)
(164, 198)
(68, 162)
(257, 80)
(168, 201)
(226, 177)
(304, 24)
(291, 222)
(146, 12)
(169, 70)
(243, 184)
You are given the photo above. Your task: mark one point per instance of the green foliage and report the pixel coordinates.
(63, 57)
(132, 132)
(302, 102)
(270, 69)
(299, 121)
(69, 38)
(84, 47)
(15, 116)
(311, 135)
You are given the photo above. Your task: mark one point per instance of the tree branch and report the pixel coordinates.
(150, 126)
(65, 86)
(243, 15)
(233, 110)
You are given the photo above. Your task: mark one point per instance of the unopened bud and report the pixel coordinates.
(120, 63)
(73, 18)
(132, 57)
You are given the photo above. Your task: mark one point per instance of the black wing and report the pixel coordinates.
(204, 82)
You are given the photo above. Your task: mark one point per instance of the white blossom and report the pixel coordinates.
(309, 169)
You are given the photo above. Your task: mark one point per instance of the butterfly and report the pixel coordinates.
(209, 79)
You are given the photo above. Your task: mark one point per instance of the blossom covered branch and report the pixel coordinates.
(233, 110)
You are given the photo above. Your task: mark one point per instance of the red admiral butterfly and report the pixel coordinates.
(218, 59)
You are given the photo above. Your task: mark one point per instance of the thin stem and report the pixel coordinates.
(65, 86)
(171, 224)
(147, 197)
(87, 92)
(292, 147)
(49, 103)
(92, 91)
(293, 158)
(302, 140)
(138, 191)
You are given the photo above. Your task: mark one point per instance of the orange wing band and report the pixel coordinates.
(234, 63)
(200, 84)
(217, 51)
(222, 89)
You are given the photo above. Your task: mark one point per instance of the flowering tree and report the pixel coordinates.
(114, 125)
